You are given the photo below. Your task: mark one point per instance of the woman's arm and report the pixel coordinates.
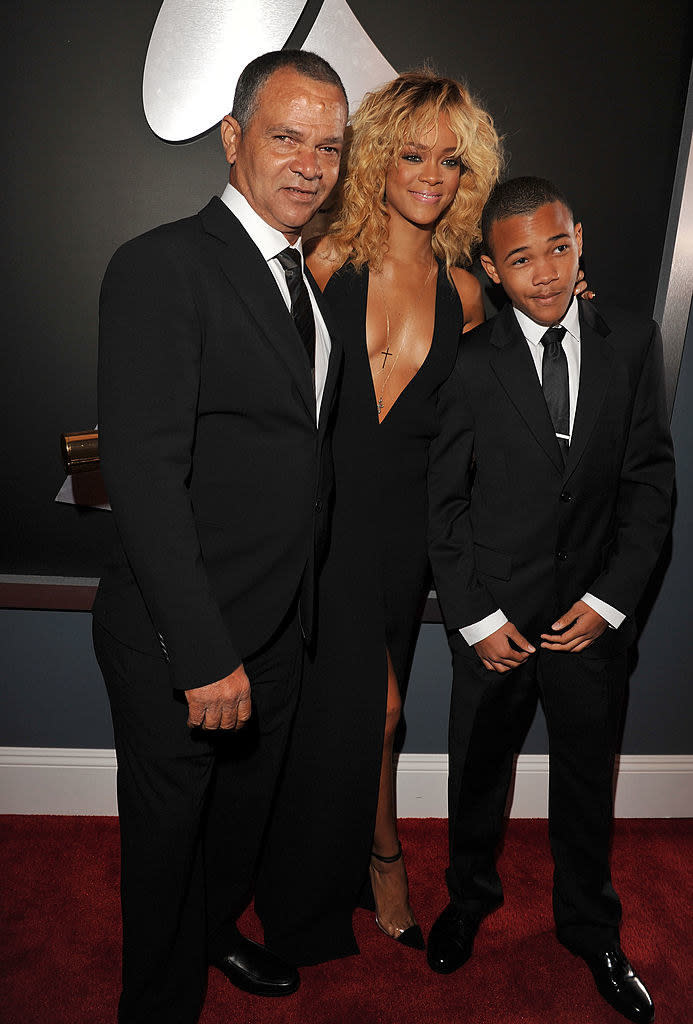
(321, 259)
(469, 291)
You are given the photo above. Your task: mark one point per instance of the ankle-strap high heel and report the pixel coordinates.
(411, 936)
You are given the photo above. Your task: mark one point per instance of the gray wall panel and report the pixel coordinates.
(51, 689)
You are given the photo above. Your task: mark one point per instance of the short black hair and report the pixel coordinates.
(515, 197)
(254, 75)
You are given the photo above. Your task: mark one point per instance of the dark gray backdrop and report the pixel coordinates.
(591, 96)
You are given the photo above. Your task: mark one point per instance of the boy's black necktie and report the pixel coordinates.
(301, 309)
(554, 382)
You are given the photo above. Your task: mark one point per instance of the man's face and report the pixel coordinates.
(286, 161)
(535, 258)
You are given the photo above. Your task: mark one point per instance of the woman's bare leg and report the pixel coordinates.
(389, 880)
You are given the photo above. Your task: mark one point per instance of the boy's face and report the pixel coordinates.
(535, 257)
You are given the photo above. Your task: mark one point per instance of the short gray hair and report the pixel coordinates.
(255, 74)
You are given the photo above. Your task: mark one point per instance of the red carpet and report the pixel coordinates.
(60, 936)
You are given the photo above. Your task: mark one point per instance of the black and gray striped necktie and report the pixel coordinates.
(301, 309)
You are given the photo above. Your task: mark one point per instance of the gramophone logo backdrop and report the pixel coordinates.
(198, 49)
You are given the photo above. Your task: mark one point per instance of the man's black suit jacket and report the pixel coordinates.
(217, 472)
(511, 526)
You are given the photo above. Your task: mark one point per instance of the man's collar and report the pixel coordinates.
(534, 332)
(268, 240)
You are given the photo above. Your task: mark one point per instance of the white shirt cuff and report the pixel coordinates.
(478, 631)
(612, 615)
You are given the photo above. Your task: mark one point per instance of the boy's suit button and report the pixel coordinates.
(566, 496)
(562, 556)
(318, 505)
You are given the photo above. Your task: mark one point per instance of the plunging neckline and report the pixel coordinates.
(426, 357)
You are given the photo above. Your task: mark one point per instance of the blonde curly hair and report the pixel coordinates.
(387, 119)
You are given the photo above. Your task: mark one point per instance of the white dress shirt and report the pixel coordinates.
(271, 242)
(533, 333)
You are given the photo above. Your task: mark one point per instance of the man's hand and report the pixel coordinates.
(585, 626)
(504, 649)
(581, 287)
(225, 704)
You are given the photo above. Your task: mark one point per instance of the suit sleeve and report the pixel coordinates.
(462, 598)
(150, 345)
(643, 510)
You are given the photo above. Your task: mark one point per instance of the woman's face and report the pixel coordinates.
(422, 182)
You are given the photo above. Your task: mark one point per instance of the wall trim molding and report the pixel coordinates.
(648, 786)
(47, 780)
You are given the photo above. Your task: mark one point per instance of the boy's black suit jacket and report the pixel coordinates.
(217, 472)
(511, 526)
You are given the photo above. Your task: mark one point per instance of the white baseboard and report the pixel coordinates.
(647, 786)
(42, 780)
(55, 780)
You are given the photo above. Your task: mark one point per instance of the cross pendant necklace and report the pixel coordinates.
(380, 402)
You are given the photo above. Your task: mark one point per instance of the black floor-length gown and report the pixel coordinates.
(371, 596)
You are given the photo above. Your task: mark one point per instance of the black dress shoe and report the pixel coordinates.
(451, 940)
(253, 968)
(618, 983)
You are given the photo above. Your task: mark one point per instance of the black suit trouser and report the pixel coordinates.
(193, 808)
(582, 699)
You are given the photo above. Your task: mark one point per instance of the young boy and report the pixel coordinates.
(559, 416)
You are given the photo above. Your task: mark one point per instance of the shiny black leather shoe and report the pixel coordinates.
(618, 983)
(255, 969)
(451, 940)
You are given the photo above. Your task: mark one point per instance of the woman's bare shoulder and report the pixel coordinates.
(466, 284)
(469, 291)
(321, 258)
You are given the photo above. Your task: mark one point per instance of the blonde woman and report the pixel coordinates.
(423, 159)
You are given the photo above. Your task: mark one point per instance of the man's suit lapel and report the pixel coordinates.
(596, 357)
(512, 364)
(335, 362)
(250, 277)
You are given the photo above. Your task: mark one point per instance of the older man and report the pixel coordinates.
(217, 369)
